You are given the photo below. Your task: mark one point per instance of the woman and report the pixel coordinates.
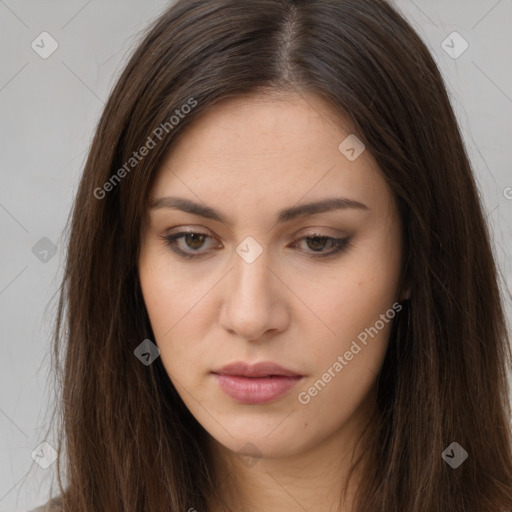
(280, 291)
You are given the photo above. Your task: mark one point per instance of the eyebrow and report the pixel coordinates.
(286, 215)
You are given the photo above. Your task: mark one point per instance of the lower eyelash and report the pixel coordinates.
(340, 245)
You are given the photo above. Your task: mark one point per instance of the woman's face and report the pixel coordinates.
(258, 285)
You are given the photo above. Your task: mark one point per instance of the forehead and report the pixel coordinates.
(249, 152)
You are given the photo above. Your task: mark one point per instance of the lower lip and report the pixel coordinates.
(256, 390)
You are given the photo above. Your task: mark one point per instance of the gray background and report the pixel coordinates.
(49, 108)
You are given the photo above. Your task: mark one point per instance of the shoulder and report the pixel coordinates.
(54, 505)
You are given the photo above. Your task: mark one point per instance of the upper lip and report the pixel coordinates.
(263, 369)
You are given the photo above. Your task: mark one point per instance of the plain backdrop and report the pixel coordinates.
(49, 109)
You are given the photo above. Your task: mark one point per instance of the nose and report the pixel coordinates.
(255, 304)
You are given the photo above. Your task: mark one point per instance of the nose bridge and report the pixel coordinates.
(252, 279)
(253, 304)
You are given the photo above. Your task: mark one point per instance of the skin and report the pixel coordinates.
(249, 158)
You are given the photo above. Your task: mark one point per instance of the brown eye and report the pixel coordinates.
(193, 242)
(316, 243)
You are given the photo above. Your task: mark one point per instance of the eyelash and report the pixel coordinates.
(340, 244)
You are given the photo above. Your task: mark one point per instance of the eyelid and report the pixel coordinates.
(309, 233)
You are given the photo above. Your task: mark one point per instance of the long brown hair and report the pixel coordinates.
(126, 440)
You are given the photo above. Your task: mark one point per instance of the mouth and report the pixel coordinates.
(256, 384)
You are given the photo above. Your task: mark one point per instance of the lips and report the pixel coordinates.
(256, 384)
(263, 369)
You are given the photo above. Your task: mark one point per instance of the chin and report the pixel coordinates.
(258, 443)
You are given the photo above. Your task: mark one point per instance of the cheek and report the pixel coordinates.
(354, 298)
(156, 291)
(357, 306)
(332, 398)
(366, 285)
(347, 363)
(170, 296)
(179, 312)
